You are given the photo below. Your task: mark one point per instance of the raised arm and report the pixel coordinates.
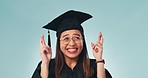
(46, 54)
(97, 52)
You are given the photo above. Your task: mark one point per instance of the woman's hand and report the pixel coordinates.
(45, 51)
(98, 47)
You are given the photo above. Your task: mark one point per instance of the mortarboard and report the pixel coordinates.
(67, 21)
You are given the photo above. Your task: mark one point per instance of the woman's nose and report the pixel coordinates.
(72, 42)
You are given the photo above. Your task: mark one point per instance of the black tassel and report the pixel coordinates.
(49, 42)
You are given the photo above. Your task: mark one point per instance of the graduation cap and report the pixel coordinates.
(67, 21)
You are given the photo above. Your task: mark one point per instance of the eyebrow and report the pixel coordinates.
(73, 34)
(77, 34)
(65, 35)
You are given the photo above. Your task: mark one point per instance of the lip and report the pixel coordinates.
(72, 50)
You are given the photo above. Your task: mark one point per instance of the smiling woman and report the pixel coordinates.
(71, 60)
(72, 44)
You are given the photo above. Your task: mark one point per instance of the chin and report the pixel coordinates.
(71, 57)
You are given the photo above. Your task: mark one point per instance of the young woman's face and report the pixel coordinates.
(71, 43)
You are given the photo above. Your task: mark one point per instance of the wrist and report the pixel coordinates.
(100, 61)
(44, 70)
(98, 57)
(44, 65)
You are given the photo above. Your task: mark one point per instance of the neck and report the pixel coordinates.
(71, 62)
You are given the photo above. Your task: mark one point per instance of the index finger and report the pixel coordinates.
(100, 38)
(42, 41)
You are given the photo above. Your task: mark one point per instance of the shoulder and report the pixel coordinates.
(93, 64)
(52, 63)
(52, 68)
(92, 61)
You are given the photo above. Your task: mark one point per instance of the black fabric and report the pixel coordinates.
(77, 72)
(67, 21)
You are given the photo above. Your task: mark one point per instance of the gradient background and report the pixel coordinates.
(124, 24)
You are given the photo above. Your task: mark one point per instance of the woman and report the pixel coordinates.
(71, 60)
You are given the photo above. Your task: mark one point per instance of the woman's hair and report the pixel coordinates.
(59, 60)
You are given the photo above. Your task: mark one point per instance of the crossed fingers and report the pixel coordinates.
(99, 44)
(43, 47)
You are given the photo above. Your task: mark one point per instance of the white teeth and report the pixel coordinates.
(71, 50)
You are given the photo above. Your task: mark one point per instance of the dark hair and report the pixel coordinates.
(59, 60)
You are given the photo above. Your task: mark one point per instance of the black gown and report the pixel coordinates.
(67, 72)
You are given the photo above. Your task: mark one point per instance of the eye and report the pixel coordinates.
(66, 39)
(76, 38)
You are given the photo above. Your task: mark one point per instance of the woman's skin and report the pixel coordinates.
(71, 52)
(46, 54)
(97, 52)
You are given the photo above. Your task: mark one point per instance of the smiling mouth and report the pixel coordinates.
(72, 50)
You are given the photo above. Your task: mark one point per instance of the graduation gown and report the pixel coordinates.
(67, 72)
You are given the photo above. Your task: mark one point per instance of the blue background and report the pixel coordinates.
(124, 24)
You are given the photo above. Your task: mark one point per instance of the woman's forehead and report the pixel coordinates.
(71, 32)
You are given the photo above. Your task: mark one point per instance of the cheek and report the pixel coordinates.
(62, 47)
(81, 46)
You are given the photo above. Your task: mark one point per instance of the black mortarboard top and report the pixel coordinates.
(67, 21)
